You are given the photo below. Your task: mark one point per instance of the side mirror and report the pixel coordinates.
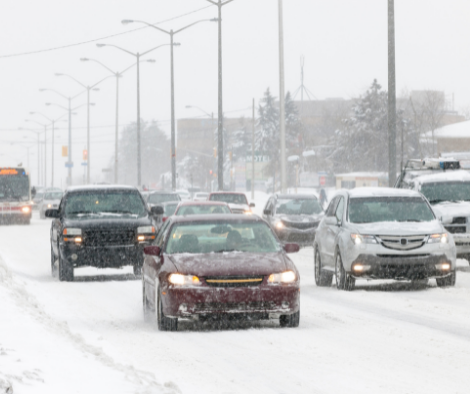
(267, 212)
(331, 220)
(52, 213)
(252, 204)
(291, 248)
(157, 210)
(152, 250)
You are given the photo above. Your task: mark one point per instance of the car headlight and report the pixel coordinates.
(26, 209)
(184, 280)
(49, 205)
(283, 277)
(72, 231)
(279, 225)
(438, 238)
(359, 239)
(70, 235)
(247, 212)
(145, 233)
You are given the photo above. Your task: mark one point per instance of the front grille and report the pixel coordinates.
(456, 229)
(234, 281)
(237, 210)
(234, 306)
(459, 220)
(402, 242)
(300, 225)
(111, 237)
(403, 257)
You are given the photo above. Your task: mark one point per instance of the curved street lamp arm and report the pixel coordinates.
(106, 67)
(55, 91)
(39, 113)
(76, 80)
(97, 83)
(122, 49)
(192, 24)
(83, 91)
(58, 105)
(155, 27)
(34, 121)
(150, 50)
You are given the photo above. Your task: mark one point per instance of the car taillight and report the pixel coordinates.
(164, 219)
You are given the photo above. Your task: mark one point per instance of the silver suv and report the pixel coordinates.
(382, 233)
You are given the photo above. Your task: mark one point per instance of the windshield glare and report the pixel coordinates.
(446, 191)
(220, 237)
(14, 188)
(298, 206)
(158, 198)
(104, 203)
(230, 198)
(202, 210)
(389, 209)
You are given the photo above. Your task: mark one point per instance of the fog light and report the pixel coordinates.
(183, 308)
(285, 304)
(360, 267)
(74, 257)
(141, 238)
(78, 240)
(443, 266)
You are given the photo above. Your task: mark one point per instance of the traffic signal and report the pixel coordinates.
(85, 155)
(65, 151)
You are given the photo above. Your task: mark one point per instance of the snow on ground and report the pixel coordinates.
(89, 336)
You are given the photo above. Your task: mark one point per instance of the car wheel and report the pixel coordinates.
(448, 281)
(53, 264)
(290, 320)
(322, 278)
(344, 281)
(146, 306)
(164, 323)
(65, 270)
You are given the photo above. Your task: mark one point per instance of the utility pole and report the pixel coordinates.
(253, 153)
(282, 117)
(392, 114)
(69, 183)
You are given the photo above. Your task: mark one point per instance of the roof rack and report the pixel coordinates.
(432, 164)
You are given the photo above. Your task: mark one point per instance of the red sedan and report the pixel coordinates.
(213, 265)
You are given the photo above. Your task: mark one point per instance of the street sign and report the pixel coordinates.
(69, 165)
(84, 164)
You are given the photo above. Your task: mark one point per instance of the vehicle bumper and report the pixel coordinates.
(265, 301)
(102, 256)
(462, 245)
(293, 235)
(14, 215)
(401, 267)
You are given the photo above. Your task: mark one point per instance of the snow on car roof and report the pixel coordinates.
(217, 217)
(445, 176)
(100, 187)
(297, 196)
(228, 193)
(185, 203)
(382, 192)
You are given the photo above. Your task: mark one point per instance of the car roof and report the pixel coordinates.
(297, 196)
(100, 187)
(217, 217)
(161, 192)
(185, 203)
(382, 192)
(445, 176)
(228, 193)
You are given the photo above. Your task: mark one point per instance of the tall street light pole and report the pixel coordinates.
(282, 109)
(117, 74)
(45, 147)
(220, 126)
(392, 110)
(69, 109)
(88, 88)
(39, 150)
(171, 33)
(137, 56)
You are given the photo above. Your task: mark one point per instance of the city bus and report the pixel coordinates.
(15, 196)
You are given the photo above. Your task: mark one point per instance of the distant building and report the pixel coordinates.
(452, 138)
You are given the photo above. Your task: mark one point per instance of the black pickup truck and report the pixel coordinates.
(100, 226)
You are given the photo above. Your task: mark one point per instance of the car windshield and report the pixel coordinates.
(98, 203)
(53, 196)
(169, 209)
(389, 209)
(202, 210)
(229, 198)
(446, 191)
(158, 198)
(218, 237)
(297, 206)
(14, 188)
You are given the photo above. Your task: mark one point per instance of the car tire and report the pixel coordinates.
(448, 281)
(53, 264)
(145, 303)
(344, 281)
(65, 270)
(164, 323)
(290, 320)
(322, 278)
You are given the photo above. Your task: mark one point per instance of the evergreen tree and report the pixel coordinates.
(294, 128)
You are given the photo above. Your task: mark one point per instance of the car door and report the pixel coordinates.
(269, 206)
(321, 234)
(331, 231)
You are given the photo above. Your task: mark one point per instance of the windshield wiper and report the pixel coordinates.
(116, 211)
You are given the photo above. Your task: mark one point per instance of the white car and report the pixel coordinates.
(51, 200)
(184, 195)
(237, 202)
(200, 196)
(382, 233)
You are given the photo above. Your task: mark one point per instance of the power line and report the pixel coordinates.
(101, 38)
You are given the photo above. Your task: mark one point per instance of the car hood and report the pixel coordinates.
(300, 218)
(451, 209)
(107, 222)
(229, 264)
(398, 228)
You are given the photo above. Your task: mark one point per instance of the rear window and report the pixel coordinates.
(202, 210)
(229, 198)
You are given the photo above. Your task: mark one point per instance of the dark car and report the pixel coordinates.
(294, 217)
(157, 198)
(100, 226)
(207, 266)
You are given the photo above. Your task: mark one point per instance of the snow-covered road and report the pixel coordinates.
(89, 336)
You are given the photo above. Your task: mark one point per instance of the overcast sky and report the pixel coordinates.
(344, 43)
